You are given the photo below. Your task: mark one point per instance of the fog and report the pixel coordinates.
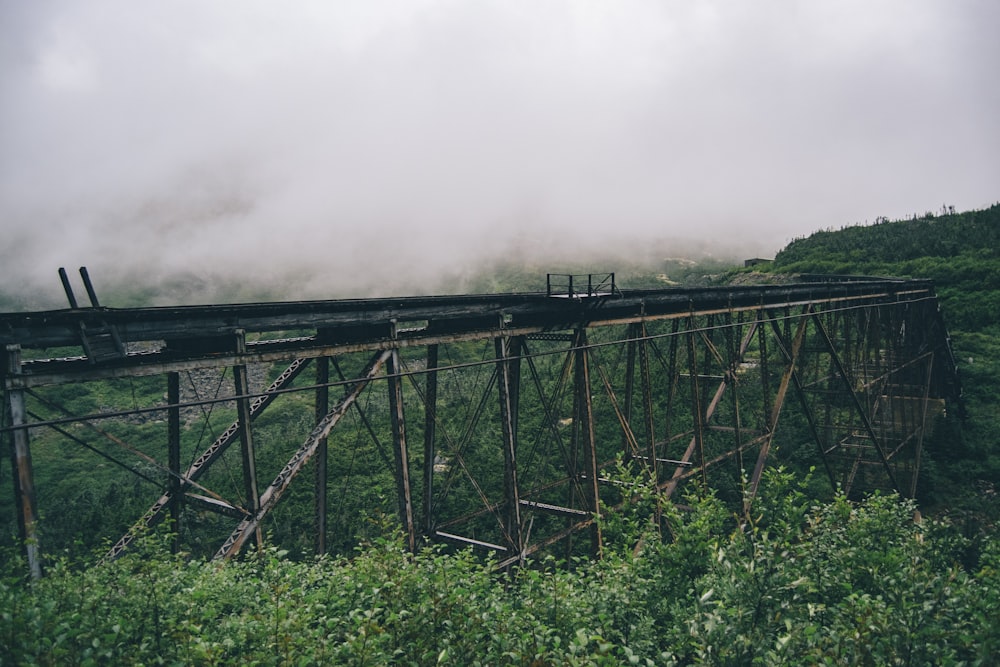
(390, 147)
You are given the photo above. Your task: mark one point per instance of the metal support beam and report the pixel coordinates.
(430, 436)
(630, 356)
(807, 410)
(647, 399)
(638, 351)
(684, 463)
(922, 428)
(249, 457)
(402, 460)
(508, 389)
(322, 408)
(584, 417)
(24, 482)
(697, 416)
(174, 455)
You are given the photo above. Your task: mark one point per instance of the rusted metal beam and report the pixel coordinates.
(584, 415)
(247, 454)
(322, 407)
(61, 327)
(24, 481)
(430, 436)
(174, 455)
(399, 449)
(508, 388)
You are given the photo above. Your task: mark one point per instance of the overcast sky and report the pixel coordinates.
(373, 144)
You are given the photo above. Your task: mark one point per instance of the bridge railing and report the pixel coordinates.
(579, 285)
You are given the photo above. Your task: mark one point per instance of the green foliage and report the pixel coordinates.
(960, 252)
(840, 583)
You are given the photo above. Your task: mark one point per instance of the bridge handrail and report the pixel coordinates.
(572, 285)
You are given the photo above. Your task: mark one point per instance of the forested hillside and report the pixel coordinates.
(960, 252)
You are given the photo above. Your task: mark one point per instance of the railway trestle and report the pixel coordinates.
(485, 420)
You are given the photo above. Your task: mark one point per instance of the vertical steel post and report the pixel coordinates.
(630, 356)
(637, 351)
(430, 435)
(174, 454)
(322, 407)
(242, 388)
(402, 472)
(585, 417)
(673, 378)
(762, 318)
(697, 413)
(922, 428)
(647, 399)
(24, 483)
(733, 332)
(507, 386)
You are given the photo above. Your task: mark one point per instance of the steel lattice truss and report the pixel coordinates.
(498, 419)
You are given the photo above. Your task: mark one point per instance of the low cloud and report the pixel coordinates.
(389, 147)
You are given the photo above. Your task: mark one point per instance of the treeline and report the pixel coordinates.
(960, 252)
(900, 240)
(797, 583)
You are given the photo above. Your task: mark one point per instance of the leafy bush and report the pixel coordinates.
(795, 583)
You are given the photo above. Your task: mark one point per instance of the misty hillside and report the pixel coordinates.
(887, 241)
(960, 252)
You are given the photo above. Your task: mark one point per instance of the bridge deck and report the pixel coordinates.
(160, 339)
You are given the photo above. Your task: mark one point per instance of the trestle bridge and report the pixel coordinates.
(490, 420)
